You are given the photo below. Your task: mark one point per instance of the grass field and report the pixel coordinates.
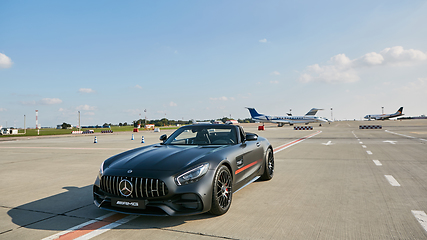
(53, 131)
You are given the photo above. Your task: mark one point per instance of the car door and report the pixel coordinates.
(248, 161)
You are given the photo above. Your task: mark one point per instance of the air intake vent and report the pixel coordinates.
(141, 187)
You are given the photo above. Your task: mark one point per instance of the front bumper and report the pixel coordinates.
(191, 199)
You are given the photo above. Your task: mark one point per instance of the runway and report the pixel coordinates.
(333, 182)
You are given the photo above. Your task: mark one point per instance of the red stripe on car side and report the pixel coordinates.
(247, 166)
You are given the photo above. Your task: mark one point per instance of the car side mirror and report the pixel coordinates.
(163, 137)
(251, 137)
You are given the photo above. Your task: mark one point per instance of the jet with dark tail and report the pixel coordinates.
(291, 120)
(385, 116)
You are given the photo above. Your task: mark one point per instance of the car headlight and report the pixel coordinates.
(193, 175)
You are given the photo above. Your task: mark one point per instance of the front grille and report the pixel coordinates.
(142, 187)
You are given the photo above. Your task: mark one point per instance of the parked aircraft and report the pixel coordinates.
(385, 116)
(291, 120)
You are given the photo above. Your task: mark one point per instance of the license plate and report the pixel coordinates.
(127, 203)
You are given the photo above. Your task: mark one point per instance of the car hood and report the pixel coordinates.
(161, 157)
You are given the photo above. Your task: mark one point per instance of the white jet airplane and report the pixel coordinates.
(385, 116)
(291, 120)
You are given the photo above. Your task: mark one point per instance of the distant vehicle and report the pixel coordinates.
(309, 117)
(195, 122)
(8, 131)
(385, 116)
(195, 170)
(97, 126)
(231, 121)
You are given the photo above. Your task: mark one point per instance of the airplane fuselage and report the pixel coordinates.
(281, 120)
(385, 116)
(288, 119)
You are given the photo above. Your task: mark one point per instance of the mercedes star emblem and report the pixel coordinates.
(125, 188)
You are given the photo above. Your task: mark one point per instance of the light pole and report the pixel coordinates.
(145, 118)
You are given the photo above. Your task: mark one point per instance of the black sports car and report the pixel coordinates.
(194, 170)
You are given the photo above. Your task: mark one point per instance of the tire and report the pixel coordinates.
(221, 191)
(269, 166)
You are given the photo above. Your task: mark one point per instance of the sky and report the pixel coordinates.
(118, 61)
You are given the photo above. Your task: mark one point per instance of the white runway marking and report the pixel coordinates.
(392, 142)
(378, 163)
(405, 135)
(94, 228)
(369, 152)
(361, 142)
(363, 146)
(56, 236)
(328, 143)
(110, 226)
(392, 181)
(284, 146)
(421, 217)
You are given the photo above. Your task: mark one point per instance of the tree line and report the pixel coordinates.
(164, 122)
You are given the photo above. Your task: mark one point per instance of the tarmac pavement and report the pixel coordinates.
(334, 185)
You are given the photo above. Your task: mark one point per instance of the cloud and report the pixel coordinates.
(420, 85)
(274, 82)
(28, 103)
(5, 61)
(223, 98)
(133, 112)
(263, 40)
(172, 104)
(86, 90)
(50, 101)
(3, 109)
(43, 101)
(340, 68)
(85, 108)
(275, 73)
(137, 86)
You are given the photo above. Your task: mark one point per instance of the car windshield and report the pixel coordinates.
(203, 135)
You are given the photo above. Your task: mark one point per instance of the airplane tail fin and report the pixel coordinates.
(313, 111)
(400, 111)
(253, 112)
